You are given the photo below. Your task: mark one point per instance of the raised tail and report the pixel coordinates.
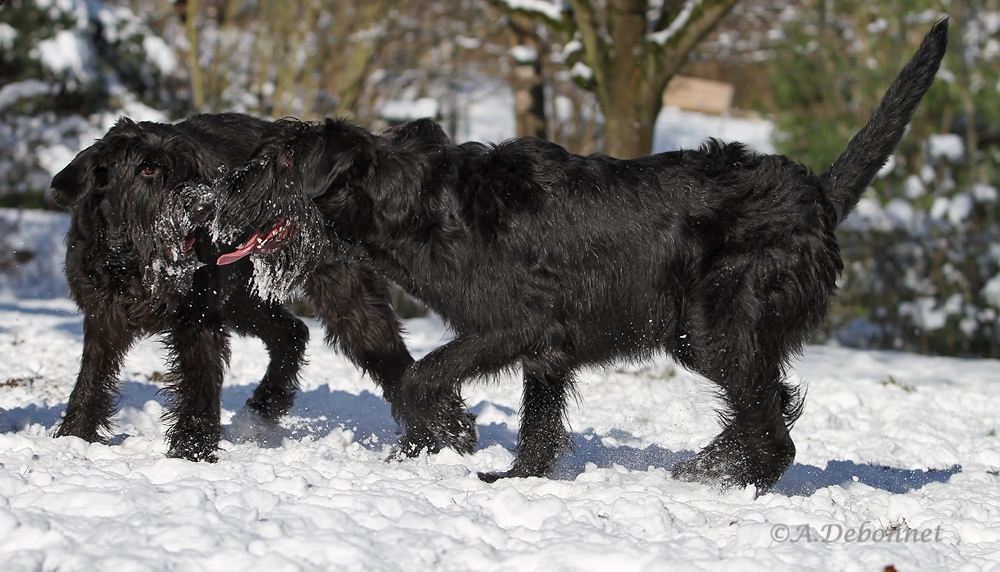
(846, 180)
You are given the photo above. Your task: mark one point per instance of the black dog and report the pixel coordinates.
(139, 262)
(723, 258)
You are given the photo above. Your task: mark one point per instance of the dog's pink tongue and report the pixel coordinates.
(243, 251)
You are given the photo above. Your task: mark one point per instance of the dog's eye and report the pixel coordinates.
(149, 170)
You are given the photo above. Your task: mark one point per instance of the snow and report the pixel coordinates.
(523, 54)
(7, 36)
(947, 145)
(39, 237)
(960, 208)
(15, 91)
(551, 9)
(582, 71)
(984, 193)
(913, 188)
(399, 110)
(901, 212)
(679, 22)
(160, 54)
(879, 447)
(69, 52)
(677, 129)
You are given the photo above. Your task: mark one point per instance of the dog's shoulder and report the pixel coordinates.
(497, 182)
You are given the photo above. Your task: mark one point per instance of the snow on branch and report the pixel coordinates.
(664, 35)
(549, 9)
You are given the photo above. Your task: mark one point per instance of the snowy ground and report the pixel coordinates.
(889, 443)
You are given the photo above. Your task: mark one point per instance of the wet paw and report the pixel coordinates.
(492, 477)
(450, 426)
(193, 445)
(193, 453)
(87, 432)
(726, 464)
(460, 433)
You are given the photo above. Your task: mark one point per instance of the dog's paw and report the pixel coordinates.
(415, 441)
(84, 430)
(196, 442)
(456, 430)
(727, 469)
(460, 433)
(192, 453)
(707, 467)
(492, 477)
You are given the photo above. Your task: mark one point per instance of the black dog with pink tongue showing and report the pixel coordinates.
(284, 253)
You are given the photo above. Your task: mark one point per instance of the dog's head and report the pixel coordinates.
(269, 208)
(317, 189)
(134, 210)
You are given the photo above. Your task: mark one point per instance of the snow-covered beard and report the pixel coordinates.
(287, 238)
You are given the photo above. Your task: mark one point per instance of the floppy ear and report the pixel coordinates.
(76, 179)
(337, 151)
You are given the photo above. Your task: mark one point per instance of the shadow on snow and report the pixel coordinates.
(320, 411)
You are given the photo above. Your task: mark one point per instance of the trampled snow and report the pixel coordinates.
(889, 443)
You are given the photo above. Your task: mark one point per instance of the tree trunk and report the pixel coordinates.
(631, 51)
(527, 81)
(628, 126)
(348, 70)
(197, 78)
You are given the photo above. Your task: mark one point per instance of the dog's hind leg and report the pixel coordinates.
(542, 437)
(743, 346)
(355, 307)
(199, 347)
(755, 447)
(94, 397)
(285, 338)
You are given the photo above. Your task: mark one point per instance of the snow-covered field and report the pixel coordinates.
(898, 459)
(887, 442)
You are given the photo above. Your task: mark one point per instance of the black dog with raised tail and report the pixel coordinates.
(723, 258)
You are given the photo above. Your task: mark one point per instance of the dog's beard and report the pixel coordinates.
(173, 260)
(279, 273)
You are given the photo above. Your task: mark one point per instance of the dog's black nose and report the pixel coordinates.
(201, 213)
(199, 203)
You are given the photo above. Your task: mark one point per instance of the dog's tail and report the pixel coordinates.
(849, 176)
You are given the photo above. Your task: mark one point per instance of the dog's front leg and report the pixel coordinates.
(94, 397)
(431, 405)
(542, 437)
(199, 346)
(355, 307)
(285, 338)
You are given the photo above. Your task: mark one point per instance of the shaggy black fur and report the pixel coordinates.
(139, 262)
(723, 258)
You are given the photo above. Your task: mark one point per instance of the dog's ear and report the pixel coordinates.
(336, 150)
(77, 179)
(125, 124)
(85, 172)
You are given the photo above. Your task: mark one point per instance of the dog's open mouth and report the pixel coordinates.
(262, 242)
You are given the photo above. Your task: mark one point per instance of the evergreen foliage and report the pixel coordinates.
(921, 251)
(63, 64)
